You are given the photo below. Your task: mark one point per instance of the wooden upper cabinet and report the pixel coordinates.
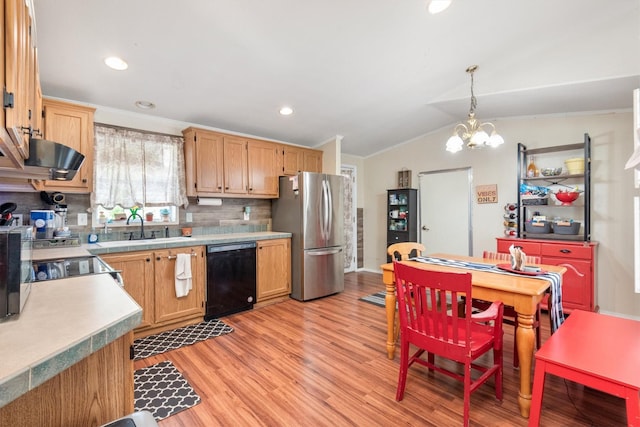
(19, 60)
(292, 160)
(221, 165)
(298, 159)
(71, 125)
(313, 161)
(204, 152)
(262, 161)
(235, 165)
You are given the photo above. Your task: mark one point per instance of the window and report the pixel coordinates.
(137, 168)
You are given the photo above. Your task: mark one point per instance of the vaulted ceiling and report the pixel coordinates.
(377, 72)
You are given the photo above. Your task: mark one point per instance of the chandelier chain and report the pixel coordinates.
(474, 102)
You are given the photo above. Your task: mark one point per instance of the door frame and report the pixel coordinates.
(469, 170)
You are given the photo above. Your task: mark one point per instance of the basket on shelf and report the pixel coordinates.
(575, 166)
(529, 200)
(572, 227)
(537, 227)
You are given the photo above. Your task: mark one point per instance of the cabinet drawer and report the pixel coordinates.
(397, 237)
(529, 248)
(566, 251)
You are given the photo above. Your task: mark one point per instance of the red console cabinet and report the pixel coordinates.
(579, 258)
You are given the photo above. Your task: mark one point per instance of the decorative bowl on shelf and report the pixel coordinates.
(551, 171)
(567, 197)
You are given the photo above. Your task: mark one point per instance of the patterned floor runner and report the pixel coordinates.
(376, 299)
(162, 390)
(171, 340)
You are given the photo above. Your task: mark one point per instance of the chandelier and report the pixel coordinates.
(472, 132)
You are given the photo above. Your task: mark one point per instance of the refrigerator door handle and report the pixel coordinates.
(325, 252)
(324, 230)
(329, 210)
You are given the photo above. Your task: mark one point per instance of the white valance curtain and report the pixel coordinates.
(138, 168)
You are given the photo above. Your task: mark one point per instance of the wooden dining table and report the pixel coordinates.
(522, 292)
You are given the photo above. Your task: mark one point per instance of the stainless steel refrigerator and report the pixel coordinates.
(310, 208)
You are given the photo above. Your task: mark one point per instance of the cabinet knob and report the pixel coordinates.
(84, 180)
(565, 251)
(226, 188)
(158, 258)
(148, 259)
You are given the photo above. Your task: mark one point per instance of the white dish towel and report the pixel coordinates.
(183, 275)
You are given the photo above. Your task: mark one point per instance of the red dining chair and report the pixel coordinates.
(428, 323)
(510, 315)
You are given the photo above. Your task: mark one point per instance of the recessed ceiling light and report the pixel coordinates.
(116, 63)
(145, 105)
(437, 6)
(286, 111)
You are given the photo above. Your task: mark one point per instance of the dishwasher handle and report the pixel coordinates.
(230, 247)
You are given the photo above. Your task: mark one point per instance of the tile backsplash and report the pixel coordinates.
(227, 218)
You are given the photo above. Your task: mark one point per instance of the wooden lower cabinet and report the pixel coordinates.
(96, 390)
(273, 270)
(149, 277)
(579, 258)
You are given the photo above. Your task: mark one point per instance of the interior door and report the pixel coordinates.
(445, 211)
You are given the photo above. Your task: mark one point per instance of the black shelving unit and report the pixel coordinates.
(579, 210)
(402, 216)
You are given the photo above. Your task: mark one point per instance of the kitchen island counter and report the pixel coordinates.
(63, 322)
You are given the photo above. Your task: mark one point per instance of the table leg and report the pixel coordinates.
(525, 337)
(390, 306)
(538, 391)
(633, 407)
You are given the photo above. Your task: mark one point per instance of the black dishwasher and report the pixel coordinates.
(231, 278)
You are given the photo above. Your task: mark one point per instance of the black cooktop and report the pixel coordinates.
(69, 267)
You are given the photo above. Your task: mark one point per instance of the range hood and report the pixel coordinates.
(62, 162)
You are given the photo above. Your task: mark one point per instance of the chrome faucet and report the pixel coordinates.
(134, 216)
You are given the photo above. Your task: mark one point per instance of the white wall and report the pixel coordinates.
(612, 190)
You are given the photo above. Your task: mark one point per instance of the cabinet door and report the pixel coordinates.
(71, 125)
(208, 163)
(292, 160)
(167, 306)
(313, 161)
(274, 269)
(262, 165)
(16, 81)
(577, 290)
(137, 273)
(235, 165)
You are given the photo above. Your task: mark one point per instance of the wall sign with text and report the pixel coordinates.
(487, 193)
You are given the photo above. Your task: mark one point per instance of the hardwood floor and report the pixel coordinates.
(324, 363)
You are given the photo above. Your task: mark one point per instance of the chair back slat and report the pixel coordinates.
(428, 304)
(501, 256)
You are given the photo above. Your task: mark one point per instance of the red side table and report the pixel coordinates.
(581, 349)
